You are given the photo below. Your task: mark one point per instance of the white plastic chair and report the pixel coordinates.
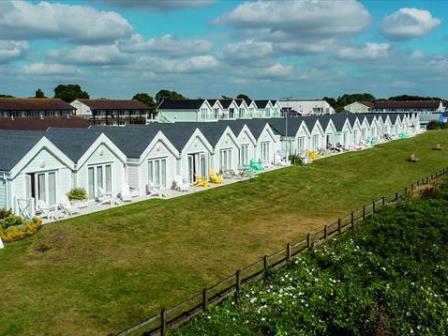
(47, 212)
(105, 197)
(156, 191)
(67, 207)
(126, 193)
(179, 184)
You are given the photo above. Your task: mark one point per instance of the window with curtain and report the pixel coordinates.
(41, 187)
(301, 145)
(245, 154)
(265, 151)
(52, 188)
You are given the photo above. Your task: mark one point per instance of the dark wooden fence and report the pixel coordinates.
(182, 312)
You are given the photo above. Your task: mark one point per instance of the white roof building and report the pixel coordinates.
(306, 107)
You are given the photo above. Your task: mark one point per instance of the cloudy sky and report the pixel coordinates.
(208, 48)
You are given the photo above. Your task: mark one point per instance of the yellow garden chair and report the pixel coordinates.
(215, 178)
(201, 181)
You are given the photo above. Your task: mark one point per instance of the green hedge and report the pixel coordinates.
(388, 278)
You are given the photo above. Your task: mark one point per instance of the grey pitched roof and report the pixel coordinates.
(15, 145)
(73, 142)
(211, 130)
(339, 120)
(178, 133)
(132, 141)
(261, 103)
(286, 126)
(256, 126)
(183, 104)
(226, 102)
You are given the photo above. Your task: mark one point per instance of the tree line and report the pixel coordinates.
(71, 92)
(340, 102)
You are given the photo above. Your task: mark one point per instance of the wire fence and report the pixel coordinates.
(174, 316)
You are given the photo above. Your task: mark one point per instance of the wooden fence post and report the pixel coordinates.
(396, 196)
(373, 207)
(308, 242)
(325, 232)
(265, 264)
(352, 219)
(163, 322)
(288, 251)
(238, 281)
(339, 226)
(205, 299)
(383, 200)
(363, 212)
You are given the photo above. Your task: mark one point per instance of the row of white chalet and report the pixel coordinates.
(193, 110)
(46, 165)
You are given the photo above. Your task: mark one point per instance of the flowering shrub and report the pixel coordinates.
(388, 278)
(17, 228)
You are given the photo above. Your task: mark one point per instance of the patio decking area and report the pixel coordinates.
(93, 206)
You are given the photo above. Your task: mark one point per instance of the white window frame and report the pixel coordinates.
(104, 183)
(265, 151)
(301, 145)
(315, 142)
(161, 179)
(245, 154)
(225, 159)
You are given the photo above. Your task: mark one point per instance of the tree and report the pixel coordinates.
(407, 97)
(6, 96)
(69, 92)
(147, 100)
(226, 97)
(39, 94)
(243, 96)
(167, 94)
(339, 103)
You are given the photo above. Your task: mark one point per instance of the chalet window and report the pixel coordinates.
(231, 112)
(265, 151)
(157, 172)
(315, 142)
(225, 159)
(99, 179)
(301, 145)
(245, 154)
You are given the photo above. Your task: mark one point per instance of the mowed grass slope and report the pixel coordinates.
(106, 271)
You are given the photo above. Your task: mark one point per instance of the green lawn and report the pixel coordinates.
(106, 271)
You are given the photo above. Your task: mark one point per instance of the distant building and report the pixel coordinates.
(359, 107)
(305, 107)
(34, 108)
(33, 124)
(111, 112)
(216, 109)
(407, 106)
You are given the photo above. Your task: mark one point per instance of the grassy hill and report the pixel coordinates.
(99, 273)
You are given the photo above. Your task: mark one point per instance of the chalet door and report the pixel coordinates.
(191, 168)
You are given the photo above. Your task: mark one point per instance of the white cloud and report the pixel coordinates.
(162, 5)
(195, 64)
(305, 18)
(24, 20)
(167, 44)
(408, 23)
(49, 69)
(11, 50)
(90, 55)
(248, 51)
(279, 70)
(370, 51)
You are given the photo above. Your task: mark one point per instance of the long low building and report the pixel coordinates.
(34, 108)
(43, 166)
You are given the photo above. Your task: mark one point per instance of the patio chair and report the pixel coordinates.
(156, 191)
(127, 193)
(215, 178)
(201, 181)
(255, 166)
(106, 197)
(179, 184)
(66, 206)
(47, 212)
